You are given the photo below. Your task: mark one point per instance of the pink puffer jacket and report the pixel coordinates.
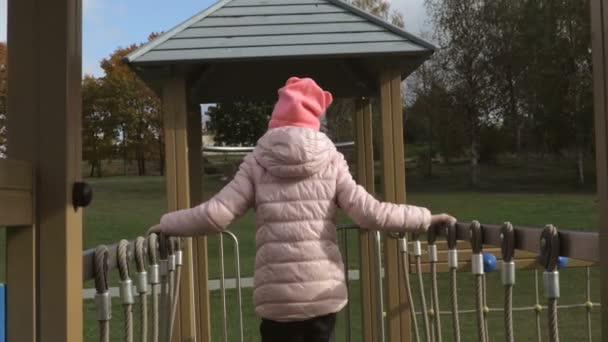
(296, 181)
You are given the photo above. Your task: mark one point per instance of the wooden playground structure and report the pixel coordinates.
(41, 194)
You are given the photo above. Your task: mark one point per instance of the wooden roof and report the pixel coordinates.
(249, 29)
(272, 39)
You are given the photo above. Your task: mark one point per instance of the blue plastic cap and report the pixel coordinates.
(489, 262)
(562, 262)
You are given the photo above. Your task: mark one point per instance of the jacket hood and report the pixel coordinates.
(294, 152)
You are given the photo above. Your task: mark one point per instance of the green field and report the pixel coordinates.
(125, 206)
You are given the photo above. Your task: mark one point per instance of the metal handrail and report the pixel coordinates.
(247, 149)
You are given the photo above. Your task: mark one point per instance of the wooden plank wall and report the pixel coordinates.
(16, 201)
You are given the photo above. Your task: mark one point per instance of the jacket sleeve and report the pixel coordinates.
(367, 212)
(217, 213)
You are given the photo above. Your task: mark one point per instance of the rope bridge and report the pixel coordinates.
(472, 244)
(467, 250)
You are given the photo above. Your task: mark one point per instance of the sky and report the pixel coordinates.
(108, 24)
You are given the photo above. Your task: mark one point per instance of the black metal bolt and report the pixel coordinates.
(82, 195)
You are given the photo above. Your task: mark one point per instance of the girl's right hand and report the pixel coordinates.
(442, 220)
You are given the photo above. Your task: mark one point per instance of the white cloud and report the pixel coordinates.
(414, 14)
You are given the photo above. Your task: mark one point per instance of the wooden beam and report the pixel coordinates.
(178, 193)
(520, 264)
(599, 41)
(365, 177)
(201, 265)
(398, 310)
(44, 114)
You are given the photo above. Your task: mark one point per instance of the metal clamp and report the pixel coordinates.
(402, 244)
(477, 264)
(126, 291)
(179, 258)
(102, 297)
(417, 248)
(551, 282)
(452, 258)
(171, 262)
(103, 302)
(164, 267)
(142, 282)
(432, 250)
(549, 258)
(154, 277)
(507, 247)
(508, 273)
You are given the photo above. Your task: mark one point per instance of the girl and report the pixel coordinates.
(296, 180)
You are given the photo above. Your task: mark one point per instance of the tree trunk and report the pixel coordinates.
(518, 136)
(581, 166)
(429, 170)
(92, 173)
(474, 164)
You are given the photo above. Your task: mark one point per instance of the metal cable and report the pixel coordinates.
(164, 289)
(486, 310)
(549, 259)
(142, 287)
(172, 285)
(408, 284)
(102, 297)
(126, 289)
(454, 301)
(518, 309)
(379, 286)
(153, 280)
(223, 291)
(432, 248)
(453, 264)
(508, 276)
(178, 274)
(348, 308)
(479, 308)
(239, 292)
(553, 324)
(508, 313)
(478, 272)
(537, 308)
(589, 305)
(425, 315)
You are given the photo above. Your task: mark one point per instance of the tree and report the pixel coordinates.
(3, 97)
(136, 108)
(461, 33)
(432, 118)
(239, 123)
(380, 8)
(99, 125)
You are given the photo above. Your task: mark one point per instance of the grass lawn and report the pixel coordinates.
(124, 207)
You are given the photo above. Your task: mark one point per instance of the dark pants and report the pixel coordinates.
(317, 329)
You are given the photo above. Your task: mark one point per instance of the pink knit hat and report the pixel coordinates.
(301, 103)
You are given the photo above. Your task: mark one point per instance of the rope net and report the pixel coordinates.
(474, 298)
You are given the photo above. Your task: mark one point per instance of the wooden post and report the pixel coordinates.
(397, 311)
(201, 265)
(44, 114)
(365, 177)
(178, 193)
(599, 37)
